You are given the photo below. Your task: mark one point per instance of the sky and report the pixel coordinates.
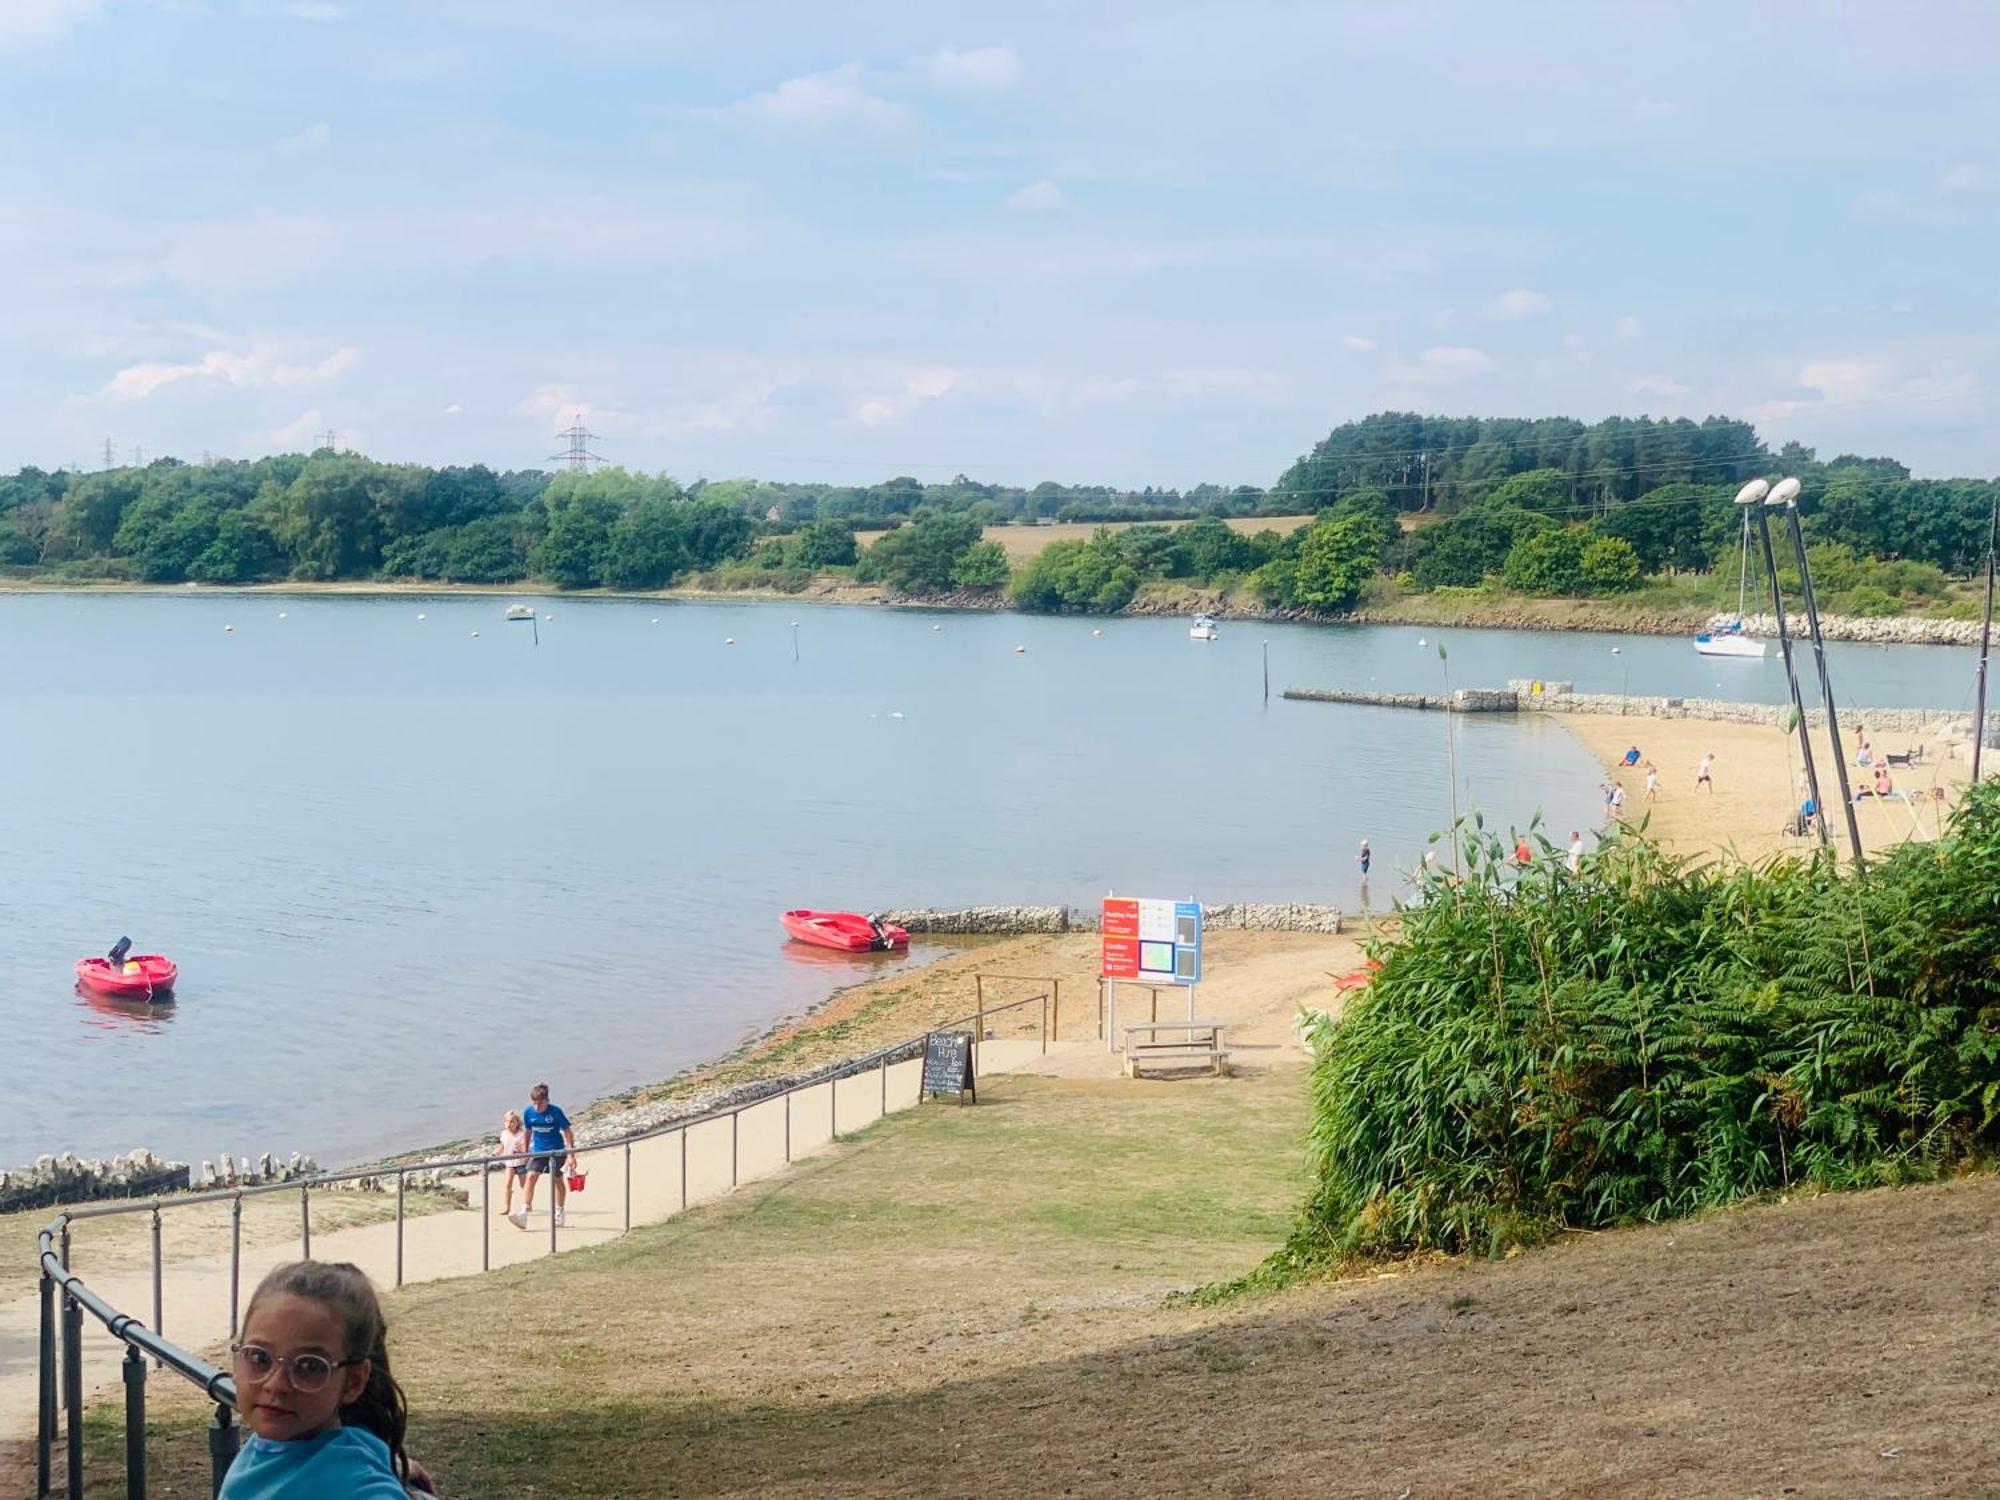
(1153, 243)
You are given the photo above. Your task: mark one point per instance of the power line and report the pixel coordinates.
(577, 457)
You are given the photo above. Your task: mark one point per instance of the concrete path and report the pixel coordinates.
(668, 1172)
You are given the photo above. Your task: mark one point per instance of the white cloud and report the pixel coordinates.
(1943, 388)
(981, 70)
(1521, 304)
(454, 409)
(917, 390)
(1444, 364)
(316, 10)
(559, 405)
(315, 137)
(1880, 204)
(1042, 197)
(23, 22)
(1965, 177)
(1628, 327)
(302, 434)
(833, 107)
(1357, 343)
(262, 368)
(1665, 387)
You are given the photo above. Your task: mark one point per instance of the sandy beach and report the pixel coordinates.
(1755, 781)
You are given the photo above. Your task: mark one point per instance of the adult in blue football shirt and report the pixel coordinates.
(553, 1142)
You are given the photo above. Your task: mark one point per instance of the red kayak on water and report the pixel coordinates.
(847, 931)
(143, 976)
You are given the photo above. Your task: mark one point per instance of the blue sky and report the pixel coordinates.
(1138, 244)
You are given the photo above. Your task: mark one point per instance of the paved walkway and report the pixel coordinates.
(667, 1172)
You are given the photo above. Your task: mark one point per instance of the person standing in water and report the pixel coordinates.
(1364, 859)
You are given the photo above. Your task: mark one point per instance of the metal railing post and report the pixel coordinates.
(628, 1187)
(72, 1381)
(885, 1085)
(551, 1175)
(45, 1389)
(135, 1423)
(1045, 1025)
(159, 1294)
(684, 1169)
(1056, 984)
(734, 1116)
(235, 1261)
(305, 1223)
(832, 1110)
(788, 1125)
(486, 1213)
(222, 1439)
(401, 1178)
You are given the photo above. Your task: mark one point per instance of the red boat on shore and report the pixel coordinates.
(846, 931)
(143, 976)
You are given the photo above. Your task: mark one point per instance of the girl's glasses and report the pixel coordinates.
(310, 1372)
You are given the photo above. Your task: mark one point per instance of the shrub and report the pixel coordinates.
(1090, 577)
(1609, 565)
(1544, 1051)
(983, 565)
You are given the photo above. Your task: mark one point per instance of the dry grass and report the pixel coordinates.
(1024, 542)
(970, 1301)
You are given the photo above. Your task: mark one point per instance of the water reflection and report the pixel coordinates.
(106, 1014)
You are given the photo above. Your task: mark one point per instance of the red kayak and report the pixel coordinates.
(848, 931)
(143, 976)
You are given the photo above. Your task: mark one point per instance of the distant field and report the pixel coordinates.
(1023, 542)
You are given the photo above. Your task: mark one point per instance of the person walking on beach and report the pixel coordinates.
(1701, 773)
(513, 1142)
(1618, 801)
(553, 1140)
(1575, 851)
(1652, 782)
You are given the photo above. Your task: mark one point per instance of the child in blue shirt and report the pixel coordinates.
(325, 1416)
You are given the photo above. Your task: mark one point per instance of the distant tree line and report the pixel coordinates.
(1547, 507)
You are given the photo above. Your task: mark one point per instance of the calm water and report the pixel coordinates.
(406, 871)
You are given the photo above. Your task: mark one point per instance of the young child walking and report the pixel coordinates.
(513, 1142)
(325, 1416)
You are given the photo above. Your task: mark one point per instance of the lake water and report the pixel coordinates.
(406, 871)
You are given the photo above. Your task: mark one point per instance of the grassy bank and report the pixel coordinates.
(971, 1301)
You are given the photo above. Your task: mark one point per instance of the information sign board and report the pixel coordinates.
(1151, 942)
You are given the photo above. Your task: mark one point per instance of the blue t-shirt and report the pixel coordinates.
(545, 1127)
(346, 1462)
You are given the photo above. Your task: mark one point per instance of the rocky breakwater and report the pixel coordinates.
(969, 921)
(1270, 916)
(1559, 697)
(62, 1179)
(1458, 701)
(1888, 630)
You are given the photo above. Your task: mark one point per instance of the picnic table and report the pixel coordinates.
(1200, 1042)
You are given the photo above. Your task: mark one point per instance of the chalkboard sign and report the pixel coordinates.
(948, 1065)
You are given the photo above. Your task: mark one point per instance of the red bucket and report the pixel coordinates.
(576, 1181)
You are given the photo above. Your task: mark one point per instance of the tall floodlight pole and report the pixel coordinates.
(1752, 494)
(1985, 643)
(1786, 494)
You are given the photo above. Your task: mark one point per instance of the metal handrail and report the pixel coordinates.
(59, 1281)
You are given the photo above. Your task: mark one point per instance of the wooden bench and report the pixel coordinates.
(1199, 1044)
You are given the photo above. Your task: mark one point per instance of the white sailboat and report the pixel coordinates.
(1728, 639)
(1203, 629)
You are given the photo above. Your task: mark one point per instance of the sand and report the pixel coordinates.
(1754, 779)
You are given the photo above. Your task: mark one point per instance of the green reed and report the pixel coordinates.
(1652, 1036)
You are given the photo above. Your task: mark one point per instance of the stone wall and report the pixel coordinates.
(1556, 697)
(54, 1180)
(969, 920)
(1895, 630)
(1271, 916)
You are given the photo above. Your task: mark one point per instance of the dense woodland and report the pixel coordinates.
(1543, 507)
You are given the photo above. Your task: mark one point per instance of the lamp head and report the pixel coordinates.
(1785, 492)
(1754, 491)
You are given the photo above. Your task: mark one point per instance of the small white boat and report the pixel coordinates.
(1203, 629)
(1728, 643)
(520, 611)
(1728, 639)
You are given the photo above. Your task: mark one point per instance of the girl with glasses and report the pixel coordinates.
(325, 1416)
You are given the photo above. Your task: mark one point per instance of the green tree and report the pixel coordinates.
(824, 544)
(1547, 562)
(1072, 576)
(573, 551)
(241, 551)
(983, 565)
(1608, 565)
(17, 548)
(648, 545)
(483, 551)
(919, 558)
(1334, 563)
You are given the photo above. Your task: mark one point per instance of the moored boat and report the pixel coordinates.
(846, 931)
(1728, 643)
(520, 611)
(1203, 629)
(143, 976)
